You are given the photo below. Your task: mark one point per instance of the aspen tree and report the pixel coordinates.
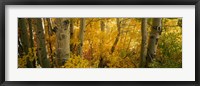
(144, 42)
(41, 46)
(81, 36)
(62, 40)
(153, 39)
(24, 39)
(31, 44)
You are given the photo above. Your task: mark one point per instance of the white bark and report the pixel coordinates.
(81, 36)
(153, 40)
(63, 40)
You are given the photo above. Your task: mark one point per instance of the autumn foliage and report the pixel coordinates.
(107, 43)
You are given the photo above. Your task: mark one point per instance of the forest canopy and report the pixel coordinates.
(99, 42)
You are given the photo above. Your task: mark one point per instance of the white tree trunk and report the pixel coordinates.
(63, 40)
(153, 40)
(81, 36)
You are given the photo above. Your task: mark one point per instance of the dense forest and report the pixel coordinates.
(99, 42)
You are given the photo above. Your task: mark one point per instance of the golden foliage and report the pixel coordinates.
(76, 62)
(97, 44)
(22, 61)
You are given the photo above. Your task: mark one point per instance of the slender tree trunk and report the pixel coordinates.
(24, 39)
(102, 25)
(49, 26)
(118, 35)
(63, 41)
(66, 25)
(71, 27)
(32, 64)
(20, 48)
(72, 34)
(24, 34)
(31, 33)
(41, 46)
(153, 40)
(144, 43)
(48, 34)
(101, 63)
(81, 36)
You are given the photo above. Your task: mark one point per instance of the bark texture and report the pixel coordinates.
(153, 40)
(49, 42)
(144, 43)
(24, 39)
(42, 53)
(31, 45)
(23, 34)
(81, 36)
(72, 34)
(63, 40)
(31, 32)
